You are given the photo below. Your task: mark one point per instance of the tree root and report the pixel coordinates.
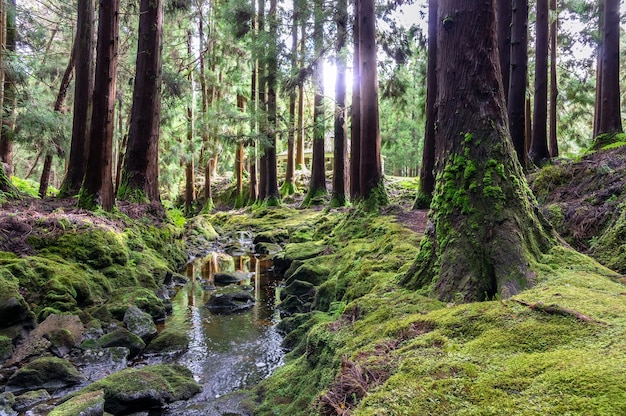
(555, 309)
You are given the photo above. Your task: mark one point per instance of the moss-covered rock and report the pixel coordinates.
(13, 308)
(140, 389)
(170, 340)
(6, 347)
(30, 398)
(298, 251)
(96, 248)
(610, 248)
(142, 298)
(140, 323)
(49, 373)
(122, 337)
(86, 404)
(314, 271)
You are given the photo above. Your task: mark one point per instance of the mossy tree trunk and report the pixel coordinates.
(140, 178)
(371, 175)
(485, 231)
(317, 185)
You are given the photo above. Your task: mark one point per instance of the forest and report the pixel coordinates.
(281, 207)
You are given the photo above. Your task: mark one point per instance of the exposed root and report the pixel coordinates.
(555, 309)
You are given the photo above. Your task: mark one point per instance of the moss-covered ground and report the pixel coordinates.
(370, 347)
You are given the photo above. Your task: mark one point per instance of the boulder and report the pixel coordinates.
(98, 363)
(50, 373)
(13, 308)
(86, 404)
(171, 340)
(230, 300)
(140, 323)
(225, 278)
(145, 388)
(122, 337)
(267, 248)
(30, 398)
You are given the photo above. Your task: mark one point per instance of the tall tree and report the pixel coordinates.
(97, 189)
(9, 101)
(190, 191)
(44, 180)
(140, 179)
(272, 196)
(427, 178)
(539, 153)
(300, 126)
(554, 89)
(355, 110)
(610, 121)
(340, 127)
(317, 185)
(83, 91)
(371, 175)
(254, 94)
(504, 16)
(288, 187)
(486, 231)
(516, 104)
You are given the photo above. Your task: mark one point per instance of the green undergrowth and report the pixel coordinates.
(78, 270)
(370, 347)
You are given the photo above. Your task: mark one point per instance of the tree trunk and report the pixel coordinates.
(254, 190)
(371, 176)
(97, 189)
(486, 232)
(44, 180)
(504, 17)
(516, 104)
(317, 186)
(139, 182)
(240, 155)
(539, 153)
(427, 178)
(355, 111)
(272, 196)
(554, 89)
(340, 127)
(83, 91)
(190, 182)
(300, 129)
(288, 187)
(610, 121)
(9, 103)
(262, 104)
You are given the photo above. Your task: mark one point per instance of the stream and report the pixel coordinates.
(227, 352)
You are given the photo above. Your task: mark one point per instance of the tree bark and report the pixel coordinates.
(610, 121)
(485, 227)
(516, 104)
(300, 129)
(317, 185)
(554, 89)
(272, 196)
(355, 111)
(140, 175)
(9, 101)
(44, 180)
(190, 192)
(427, 178)
(288, 187)
(262, 104)
(539, 153)
(254, 191)
(83, 91)
(97, 189)
(504, 17)
(340, 127)
(371, 176)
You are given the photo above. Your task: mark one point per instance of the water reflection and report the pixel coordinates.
(228, 352)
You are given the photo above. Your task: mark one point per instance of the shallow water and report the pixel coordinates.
(226, 352)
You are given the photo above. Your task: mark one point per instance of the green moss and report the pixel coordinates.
(169, 382)
(83, 404)
(6, 347)
(144, 299)
(170, 340)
